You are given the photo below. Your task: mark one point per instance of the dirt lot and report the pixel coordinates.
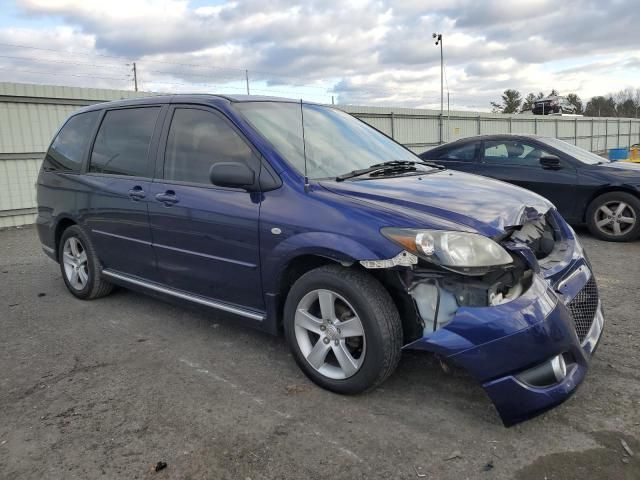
(108, 388)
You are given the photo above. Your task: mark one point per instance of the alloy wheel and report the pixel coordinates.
(330, 334)
(74, 258)
(615, 218)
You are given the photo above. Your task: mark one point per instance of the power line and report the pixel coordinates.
(59, 51)
(241, 72)
(195, 65)
(36, 60)
(62, 74)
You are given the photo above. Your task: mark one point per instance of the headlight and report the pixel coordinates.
(467, 253)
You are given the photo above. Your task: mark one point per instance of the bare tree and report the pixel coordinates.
(636, 101)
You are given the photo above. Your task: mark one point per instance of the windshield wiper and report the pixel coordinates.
(387, 168)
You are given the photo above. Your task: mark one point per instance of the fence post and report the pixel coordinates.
(575, 132)
(535, 125)
(393, 130)
(630, 133)
(510, 125)
(479, 125)
(618, 141)
(592, 134)
(606, 134)
(557, 136)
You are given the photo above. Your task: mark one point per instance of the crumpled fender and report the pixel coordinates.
(330, 245)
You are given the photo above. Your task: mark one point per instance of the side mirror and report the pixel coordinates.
(550, 162)
(232, 174)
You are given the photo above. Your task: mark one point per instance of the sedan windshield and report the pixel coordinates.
(335, 142)
(578, 153)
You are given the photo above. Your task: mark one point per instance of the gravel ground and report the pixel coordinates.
(108, 388)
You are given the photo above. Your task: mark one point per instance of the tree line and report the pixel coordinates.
(625, 103)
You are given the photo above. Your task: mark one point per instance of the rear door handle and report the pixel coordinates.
(168, 198)
(136, 193)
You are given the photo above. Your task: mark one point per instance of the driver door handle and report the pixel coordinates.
(168, 198)
(136, 193)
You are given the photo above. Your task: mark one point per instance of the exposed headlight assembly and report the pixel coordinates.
(462, 252)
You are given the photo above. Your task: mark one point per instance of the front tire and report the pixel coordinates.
(80, 266)
(614, 217)
(343, 329)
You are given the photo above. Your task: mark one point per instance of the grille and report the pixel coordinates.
(583, 308)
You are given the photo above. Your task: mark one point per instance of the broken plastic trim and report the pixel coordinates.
(403, 259)
(437, 299)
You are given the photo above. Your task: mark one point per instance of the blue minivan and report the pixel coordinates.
(298, 218)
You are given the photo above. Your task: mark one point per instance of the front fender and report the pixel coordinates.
(329, 245)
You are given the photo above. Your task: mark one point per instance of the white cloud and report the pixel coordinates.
(365, 51)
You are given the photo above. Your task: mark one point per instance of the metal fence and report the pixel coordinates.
(421, 129)
(30, 114)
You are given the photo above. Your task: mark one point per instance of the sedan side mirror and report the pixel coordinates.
(232, 174)
(550, 162)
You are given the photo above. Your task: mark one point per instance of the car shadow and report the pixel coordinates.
(420, 377)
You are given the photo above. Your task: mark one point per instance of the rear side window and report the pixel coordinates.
(197, 139)
(68, 148)
(465, 153)
(513, 152)
(122, 143)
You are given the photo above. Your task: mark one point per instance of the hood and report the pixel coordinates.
(482, 204)
(625, 170)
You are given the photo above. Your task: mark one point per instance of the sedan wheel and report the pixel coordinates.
(614, 216)
(76, 268)
(330, 334)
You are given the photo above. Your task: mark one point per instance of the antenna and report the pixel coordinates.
(304, 149)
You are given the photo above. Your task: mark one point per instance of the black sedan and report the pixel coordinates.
(585, 187)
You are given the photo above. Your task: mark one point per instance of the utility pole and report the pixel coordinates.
(135, 77)
(438, 37)
(448, 116)
(246, 77)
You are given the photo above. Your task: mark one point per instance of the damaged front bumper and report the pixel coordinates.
(529, 353)
(499, 345)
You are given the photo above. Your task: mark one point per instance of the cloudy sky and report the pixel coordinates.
(361, 52)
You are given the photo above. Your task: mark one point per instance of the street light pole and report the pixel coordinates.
(438, 37)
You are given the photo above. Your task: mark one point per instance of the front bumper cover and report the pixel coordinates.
(495, 344)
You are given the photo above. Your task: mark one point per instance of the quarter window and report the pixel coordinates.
(69, 146)
(198, 139)
(464, 153)
(122, 143)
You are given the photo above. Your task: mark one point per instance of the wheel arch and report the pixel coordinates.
(304, 263)
(293, 270)
(607, 189)
(61, 225)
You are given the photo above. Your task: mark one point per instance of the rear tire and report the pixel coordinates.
(614, 216)
(343, 329)
(80, 266)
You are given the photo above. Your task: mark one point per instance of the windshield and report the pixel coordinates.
(335, 142)
(576, 152)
